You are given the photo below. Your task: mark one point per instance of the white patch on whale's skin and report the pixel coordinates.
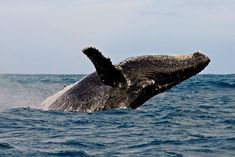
(123, 106)
(51, 99)
(148, 82)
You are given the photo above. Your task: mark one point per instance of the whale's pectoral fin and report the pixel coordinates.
(107, 72)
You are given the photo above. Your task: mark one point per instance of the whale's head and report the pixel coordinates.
(152, 74)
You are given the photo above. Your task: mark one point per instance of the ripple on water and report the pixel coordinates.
(196, 118)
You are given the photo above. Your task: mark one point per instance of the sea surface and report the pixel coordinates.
(195, 118)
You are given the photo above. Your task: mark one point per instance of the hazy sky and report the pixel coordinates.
(47, 36)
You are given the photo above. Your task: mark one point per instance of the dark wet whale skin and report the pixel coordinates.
(128, 84)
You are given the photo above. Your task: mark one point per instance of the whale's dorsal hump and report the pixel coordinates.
(107, 72)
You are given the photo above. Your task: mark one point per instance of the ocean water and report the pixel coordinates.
(195, 118)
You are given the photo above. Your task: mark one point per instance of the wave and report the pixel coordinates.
(224, 84)
(5, 146)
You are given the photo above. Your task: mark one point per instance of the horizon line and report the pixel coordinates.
(92, 72)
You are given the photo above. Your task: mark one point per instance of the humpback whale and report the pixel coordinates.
(128, 84)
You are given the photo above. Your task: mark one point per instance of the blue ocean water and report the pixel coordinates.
(195, 118)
